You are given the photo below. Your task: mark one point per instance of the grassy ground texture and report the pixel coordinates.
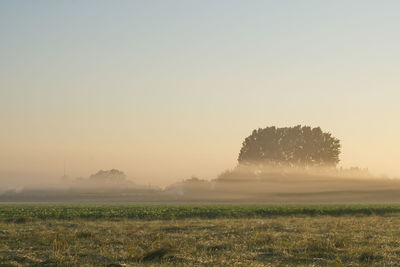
(199, 235)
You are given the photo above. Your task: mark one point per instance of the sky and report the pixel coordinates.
(164, 90)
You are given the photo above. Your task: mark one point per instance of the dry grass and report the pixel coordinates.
(280, 241)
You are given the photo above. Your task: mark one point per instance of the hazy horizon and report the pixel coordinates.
(164, 90)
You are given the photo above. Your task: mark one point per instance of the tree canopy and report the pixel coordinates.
(294, 146)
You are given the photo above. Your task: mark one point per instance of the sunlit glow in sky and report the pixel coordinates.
(164, 90)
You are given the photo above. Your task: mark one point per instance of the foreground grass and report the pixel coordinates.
(291, 239)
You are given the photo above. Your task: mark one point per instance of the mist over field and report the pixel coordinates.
(275, 165)
(157, 94)
(244, 183)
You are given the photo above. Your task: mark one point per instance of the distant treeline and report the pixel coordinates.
(289, 164)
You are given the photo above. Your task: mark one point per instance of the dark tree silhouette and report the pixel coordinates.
(294, 146)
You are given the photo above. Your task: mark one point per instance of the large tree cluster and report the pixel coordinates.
(293, 146)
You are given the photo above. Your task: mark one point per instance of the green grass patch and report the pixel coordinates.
(25, 212)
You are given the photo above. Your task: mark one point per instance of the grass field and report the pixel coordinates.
(199, 235)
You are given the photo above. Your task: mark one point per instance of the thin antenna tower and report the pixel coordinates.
(64, 171)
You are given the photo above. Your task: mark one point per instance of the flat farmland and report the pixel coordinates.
(199, 235)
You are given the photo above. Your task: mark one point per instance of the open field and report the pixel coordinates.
(199, 235)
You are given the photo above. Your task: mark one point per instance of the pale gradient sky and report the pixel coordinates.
(168, 89)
